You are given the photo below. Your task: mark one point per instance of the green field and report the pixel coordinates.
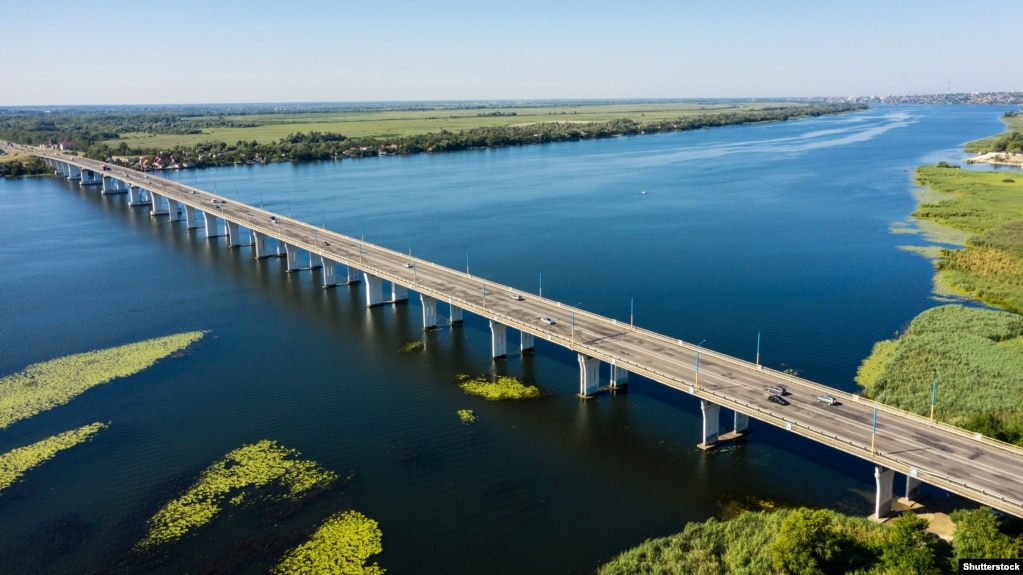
(384, 123)
(1013, 123)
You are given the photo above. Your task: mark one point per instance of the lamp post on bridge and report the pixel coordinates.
(541, 284)
(573, 319)
(934, 394)
(697, 378)
(758, 349)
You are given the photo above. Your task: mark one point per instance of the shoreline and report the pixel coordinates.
(998, 159)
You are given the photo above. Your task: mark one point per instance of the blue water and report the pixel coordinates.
(782, 229)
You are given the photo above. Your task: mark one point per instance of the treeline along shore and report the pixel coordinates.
(98, 135)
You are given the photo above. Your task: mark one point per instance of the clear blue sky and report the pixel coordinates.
(116, 52)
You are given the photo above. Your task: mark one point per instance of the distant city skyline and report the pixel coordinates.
(115, 52)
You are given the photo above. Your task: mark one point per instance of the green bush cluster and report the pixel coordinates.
(46, 385)
(16, 462)
(814, 542)
(467, 416)
(239, 473)
(505, 387)
(338, 547)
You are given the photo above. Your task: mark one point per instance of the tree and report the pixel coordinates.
(806, 542)
(977, 537)
(907, 549)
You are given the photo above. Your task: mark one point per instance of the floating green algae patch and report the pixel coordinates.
(412, 346)
(233, 478)
(16, 462)
(341, 545)
(506, 387)
(43, 386)
(467, 416)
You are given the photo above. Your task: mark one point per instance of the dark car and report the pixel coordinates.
(774, 398)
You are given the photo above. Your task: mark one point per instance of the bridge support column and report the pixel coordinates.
(455, 314)
(589, 375)
(525, 343)
(90, 178)
(74, 172)
(59, 168)
(912, 488)
(619, 376)
(315, 261)
(259, 242)
(353, 275)
(233, 231)
(191, 217)
(157, 208)
(741, 423)
(429, 312)
(498, 339)
(292, 260)
(212, 229)
(374, 289)
(138, 196)
(711, 423)
(329, 279)
(111, 186)
(884, 478)
(398, 292)
(173, 210)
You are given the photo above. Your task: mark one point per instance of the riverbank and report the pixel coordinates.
(998, 159)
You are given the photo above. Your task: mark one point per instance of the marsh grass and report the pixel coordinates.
(467, 416)
(975, 354)
(412, 346)
(340, 546)
(504, 387)
(43, 386)
(16, 462)
(235, 480)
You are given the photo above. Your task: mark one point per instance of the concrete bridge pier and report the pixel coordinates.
(173, 210)
(90, 178)
(74, 172)
(138, 196)
(589, 375)
(711, 424)
(191, 217)
(741, 423)
(112, 185)
(259, 242)
(59, 168)
(398, 293)
(525, 343)
(292, 259)
(498, 339)
(884, 478)
(211, 225)
(233, 231)
(619, 376)
(157, 209)
(912, 487)
(329, 278)
(429, 312)
(455, 314)
(374, 289)
(353, 275)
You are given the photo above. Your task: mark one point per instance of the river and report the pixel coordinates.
(718, 235)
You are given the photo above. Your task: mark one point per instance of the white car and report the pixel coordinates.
(547, 320)
(407, 264)
(517, 297)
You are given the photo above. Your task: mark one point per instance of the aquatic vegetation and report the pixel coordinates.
(340, 546)
(45, 385)
(246, 468)
(467, 416)
(17, 461)
(412, 346)
(506, 387)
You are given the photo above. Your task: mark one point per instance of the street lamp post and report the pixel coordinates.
(758, 349)
(573, 319)
(934, 395)
(632, 311)
(697, 378)
(873, 432)
(467, 263)
(541, 284)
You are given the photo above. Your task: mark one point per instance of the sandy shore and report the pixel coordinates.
(998, 158)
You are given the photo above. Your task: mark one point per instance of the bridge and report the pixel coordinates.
(924, 451)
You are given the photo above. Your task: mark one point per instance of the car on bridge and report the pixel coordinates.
(775, 398)
(407, 264)
(517, 297)
(547, 320)
(777, 390)
(827, 399)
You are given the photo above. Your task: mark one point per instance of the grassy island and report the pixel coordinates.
(341, 545)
